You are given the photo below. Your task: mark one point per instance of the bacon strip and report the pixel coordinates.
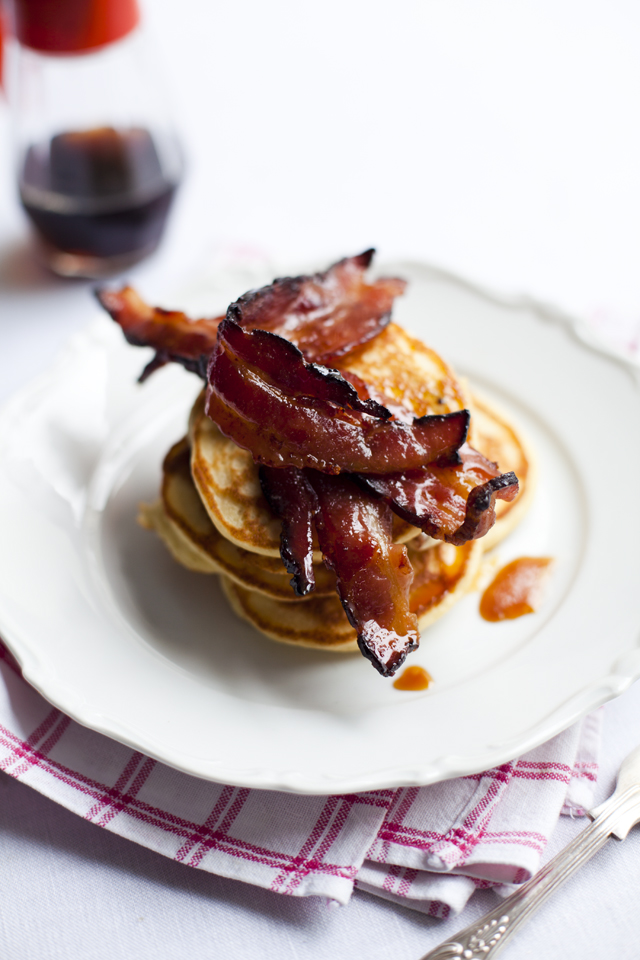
(374, 574)
(171, 333)
(283, 427)
(326, 315)
(281, 363)
(292, 499)
(455, 503)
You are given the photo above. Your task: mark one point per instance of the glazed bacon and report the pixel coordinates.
(374, 573)
(293, 501)
(454, 503)
(171, 333)
(257, 395)
(333, 456)
(326, 315)
(279, 362)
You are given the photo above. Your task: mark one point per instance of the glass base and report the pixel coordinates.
(87, 267)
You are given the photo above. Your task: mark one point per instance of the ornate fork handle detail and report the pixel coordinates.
(482, 940)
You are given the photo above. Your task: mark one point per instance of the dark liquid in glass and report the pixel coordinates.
(98, 198)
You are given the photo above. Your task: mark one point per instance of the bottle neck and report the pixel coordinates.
(72, 26)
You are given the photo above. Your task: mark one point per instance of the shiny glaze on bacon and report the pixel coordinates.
(293, 501)
(454, 503)
(260, 406)
(280, 363)
(374, 574)
(171, 333)
(355, 532)
(326, 314)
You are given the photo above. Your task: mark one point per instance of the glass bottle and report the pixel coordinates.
(98, 161)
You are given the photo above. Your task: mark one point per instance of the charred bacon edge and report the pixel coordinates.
(159, 359)
(339, 390)
(292, 499)
(480, 508)
(481, 505)
(255, 309)
(281, 285)
(394, 665)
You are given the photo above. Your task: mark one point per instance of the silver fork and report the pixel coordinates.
(483, 939)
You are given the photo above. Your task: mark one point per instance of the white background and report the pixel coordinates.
(497, 138)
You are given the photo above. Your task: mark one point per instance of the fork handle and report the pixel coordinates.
(483, 939)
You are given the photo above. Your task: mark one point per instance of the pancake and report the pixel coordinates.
(320, 623)
(184, 526)
(443, 574)
(152, 516)
(405, 371)
(226, 479)
(495, 436)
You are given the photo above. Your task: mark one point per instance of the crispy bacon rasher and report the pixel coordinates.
(257, 396)
(171, 333)
(293, 501)
(454, 503)
(374, 573)
(279, 362)
(326, 315)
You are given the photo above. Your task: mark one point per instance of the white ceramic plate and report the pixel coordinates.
(108, 628)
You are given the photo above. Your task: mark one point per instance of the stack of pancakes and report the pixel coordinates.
(213, 516)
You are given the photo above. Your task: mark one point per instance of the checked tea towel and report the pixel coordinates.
(428, 848)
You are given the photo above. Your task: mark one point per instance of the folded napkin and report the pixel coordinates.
(424, 847)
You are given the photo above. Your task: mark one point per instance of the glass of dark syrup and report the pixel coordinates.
(98, 199)
(98, 162)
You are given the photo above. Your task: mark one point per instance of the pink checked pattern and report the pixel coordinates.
(427, 847)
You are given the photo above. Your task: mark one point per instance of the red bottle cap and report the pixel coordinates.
(72, 26)
(1, 44)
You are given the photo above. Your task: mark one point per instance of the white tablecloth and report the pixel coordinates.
(497, 139)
